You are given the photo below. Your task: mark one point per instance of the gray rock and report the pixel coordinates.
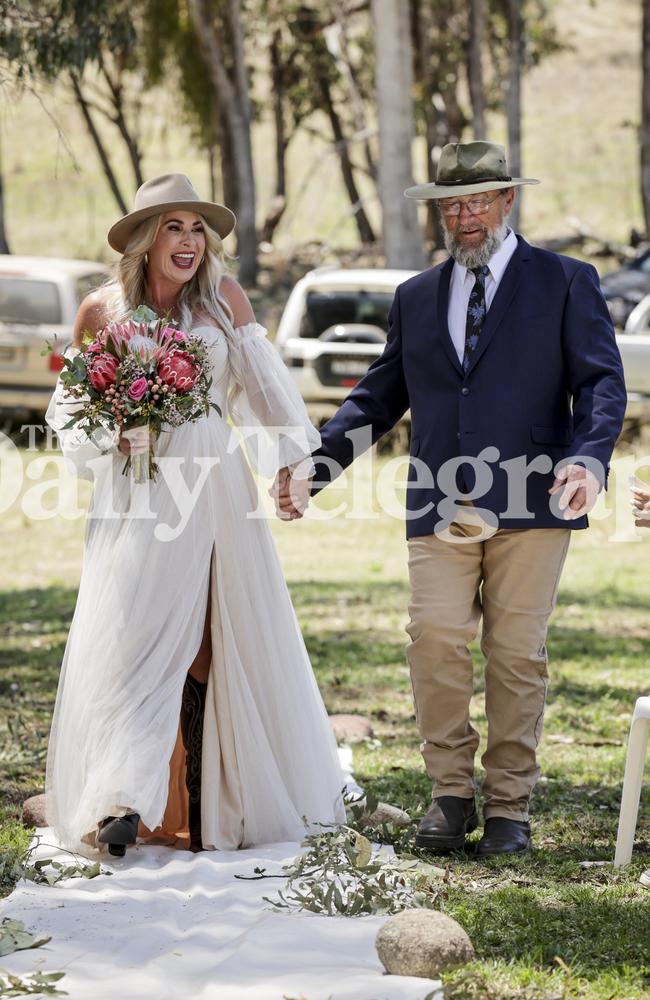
(351, 728)
(34, 811)
(385, 813)
(422, 943)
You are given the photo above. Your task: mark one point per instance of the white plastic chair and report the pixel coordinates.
(636, 753)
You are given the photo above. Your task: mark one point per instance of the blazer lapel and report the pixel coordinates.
(504, 295)
(441, 294)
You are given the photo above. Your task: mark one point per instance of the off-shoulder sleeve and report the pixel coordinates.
(77, 447)
(270, 409)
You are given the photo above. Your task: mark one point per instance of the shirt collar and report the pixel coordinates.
(498, 261)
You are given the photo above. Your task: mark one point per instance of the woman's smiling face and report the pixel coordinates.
(178, 248)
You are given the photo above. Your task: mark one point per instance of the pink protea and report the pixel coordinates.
(101, 371)
(178, 370)
(95, 347)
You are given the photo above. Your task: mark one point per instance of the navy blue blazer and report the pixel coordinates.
(546, 379)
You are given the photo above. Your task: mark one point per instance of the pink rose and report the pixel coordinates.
(168, 331)
(94, 348)
(178, 370)
(180, 337)
(137, 389)
(101, 371)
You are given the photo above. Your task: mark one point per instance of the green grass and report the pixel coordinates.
(543, 927)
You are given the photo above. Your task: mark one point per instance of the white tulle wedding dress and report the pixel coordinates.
(269, 758)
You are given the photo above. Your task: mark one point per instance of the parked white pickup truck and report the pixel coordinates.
(335, 324)
(39, 298)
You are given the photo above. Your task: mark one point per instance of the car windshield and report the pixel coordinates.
(23, 300)
(326, 308)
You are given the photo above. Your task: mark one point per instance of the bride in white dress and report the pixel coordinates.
(187, 711)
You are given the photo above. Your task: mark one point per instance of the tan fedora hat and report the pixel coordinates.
(162, 194)
(468, 168)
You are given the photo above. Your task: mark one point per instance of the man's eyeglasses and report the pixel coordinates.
(475, 206)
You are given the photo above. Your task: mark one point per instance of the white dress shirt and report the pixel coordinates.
(462, 282)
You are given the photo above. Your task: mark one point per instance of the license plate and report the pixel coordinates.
(349, 367)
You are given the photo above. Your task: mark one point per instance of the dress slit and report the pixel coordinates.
(174, 827)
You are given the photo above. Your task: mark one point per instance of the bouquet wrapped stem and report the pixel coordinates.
(142, 462)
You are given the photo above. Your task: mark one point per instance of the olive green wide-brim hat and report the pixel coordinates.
(468, 168)
(163, 194)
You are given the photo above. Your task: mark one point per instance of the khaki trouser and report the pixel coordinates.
(511, 579)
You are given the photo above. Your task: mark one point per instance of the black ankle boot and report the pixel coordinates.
(192, 711)
(117, 832)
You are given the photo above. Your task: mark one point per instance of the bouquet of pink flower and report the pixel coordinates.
(145, 372)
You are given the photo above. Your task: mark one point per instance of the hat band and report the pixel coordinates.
(473, 180)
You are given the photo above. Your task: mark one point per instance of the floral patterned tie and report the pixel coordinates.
(476, 310)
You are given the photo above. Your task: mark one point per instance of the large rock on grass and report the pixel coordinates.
(34, 811)
(351, 728)
(386, 813)
(422, 943)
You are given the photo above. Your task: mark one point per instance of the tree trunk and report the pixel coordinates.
(645, 117)
(475, 66)
(435, 128)
(130, 141)
(99, 146)
(212, 172)
(233, 97)
(513, 98)
(228, 169)
(336, 39)
(393, 81)
(366, 233)
(4, 243)
(278, 97)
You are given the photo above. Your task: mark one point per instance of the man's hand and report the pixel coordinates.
(640, 502)
(291, 493)
(579, 489)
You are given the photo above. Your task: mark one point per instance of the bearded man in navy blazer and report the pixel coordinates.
(506, 356)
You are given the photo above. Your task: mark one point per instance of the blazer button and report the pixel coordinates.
(464, 391)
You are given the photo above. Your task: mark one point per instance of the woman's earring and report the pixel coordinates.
(146, 258)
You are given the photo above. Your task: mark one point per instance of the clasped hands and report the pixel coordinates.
(292, 490)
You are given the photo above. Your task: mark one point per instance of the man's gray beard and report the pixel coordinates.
(480, 255)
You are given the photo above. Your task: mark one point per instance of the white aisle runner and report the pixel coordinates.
(171, 925)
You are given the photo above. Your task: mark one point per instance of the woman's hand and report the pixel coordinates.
(134, 441)
(640, 502)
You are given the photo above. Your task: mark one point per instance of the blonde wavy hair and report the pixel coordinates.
(200, 294)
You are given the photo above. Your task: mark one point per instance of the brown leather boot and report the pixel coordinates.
(192, 711)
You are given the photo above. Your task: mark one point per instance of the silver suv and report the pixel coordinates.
(335, 323)
(39, 298)
(333, 327)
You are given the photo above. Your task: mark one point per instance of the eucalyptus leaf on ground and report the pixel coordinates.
(341, 874)
(39, 983)
(14, 937)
